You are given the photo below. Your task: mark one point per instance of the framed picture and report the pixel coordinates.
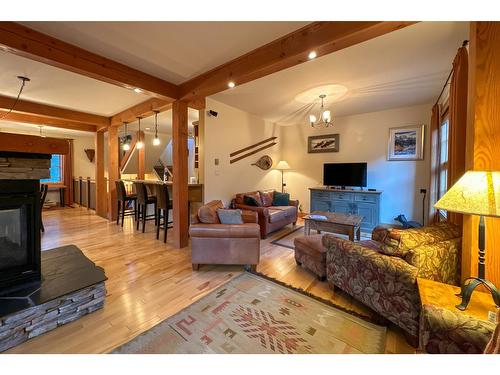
(323, 143)
(406, 143)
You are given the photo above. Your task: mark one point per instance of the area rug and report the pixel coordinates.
(286, 239)
(253, 315)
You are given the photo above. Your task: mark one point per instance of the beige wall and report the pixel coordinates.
(81, 164)
(230, 131)
(363, 138)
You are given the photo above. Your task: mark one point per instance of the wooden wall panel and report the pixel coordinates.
(483, 146)
(180, 183)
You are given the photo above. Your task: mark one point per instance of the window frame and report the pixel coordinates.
(443, 118)
(61, 173)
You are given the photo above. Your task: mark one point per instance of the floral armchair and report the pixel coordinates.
(382, 272)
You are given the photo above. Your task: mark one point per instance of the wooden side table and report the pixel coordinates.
(443, 295)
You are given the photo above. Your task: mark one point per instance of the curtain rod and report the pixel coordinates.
(465, 42)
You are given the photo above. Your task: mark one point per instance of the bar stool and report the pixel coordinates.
(123, 200)
(163, 207)
(143, 200)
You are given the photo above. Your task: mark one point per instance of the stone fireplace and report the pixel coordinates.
(39, 290)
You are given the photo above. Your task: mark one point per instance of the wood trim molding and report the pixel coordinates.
(33, 144)
(285, 52)
(45, 110)
(26, 42)
(48, 121)
(144, 109)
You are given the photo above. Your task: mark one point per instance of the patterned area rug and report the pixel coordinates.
(251, 314)
(286, 239)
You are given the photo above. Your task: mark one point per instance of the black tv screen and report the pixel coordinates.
(344, 174)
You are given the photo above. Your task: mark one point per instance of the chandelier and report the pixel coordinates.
(324, 118)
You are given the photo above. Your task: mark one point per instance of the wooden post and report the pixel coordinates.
(180, 178)
(483, 140)
(201, 144)
(113, 171)
(101, 190)
(141, 155)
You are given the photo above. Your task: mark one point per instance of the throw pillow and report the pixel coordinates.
(229, 216)
(208, 212)
(252, 199)
(267, 198)
(281, 199)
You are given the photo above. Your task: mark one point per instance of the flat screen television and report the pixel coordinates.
(344, 174)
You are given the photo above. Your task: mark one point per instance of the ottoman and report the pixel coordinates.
(311, 254)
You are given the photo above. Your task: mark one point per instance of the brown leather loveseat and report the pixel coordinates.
(216, 243)
(271, 218)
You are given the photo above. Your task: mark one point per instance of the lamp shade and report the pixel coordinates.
(476, 193)
(282, 165)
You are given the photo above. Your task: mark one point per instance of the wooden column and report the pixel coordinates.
(141, 153)
(113, 171)
(180, 178)
(101, 190)
(483, 139)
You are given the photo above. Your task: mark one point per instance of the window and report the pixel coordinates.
(55, 170)
(443, 158)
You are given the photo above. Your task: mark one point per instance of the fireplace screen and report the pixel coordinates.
(13, 238)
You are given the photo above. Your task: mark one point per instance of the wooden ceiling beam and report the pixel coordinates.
(47, 121)
(45, 110)
(33, 144)
(23, 41)
(144, 109)
(285, 52)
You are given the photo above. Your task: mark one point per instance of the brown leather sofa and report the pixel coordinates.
(215, 243)
(271, 218)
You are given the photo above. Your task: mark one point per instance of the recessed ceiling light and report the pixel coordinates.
(147, 128)
(231, 84)
(137, 90)
(312, 55)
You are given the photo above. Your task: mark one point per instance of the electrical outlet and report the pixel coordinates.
(423, 191)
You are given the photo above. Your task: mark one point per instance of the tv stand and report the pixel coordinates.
(348, 201)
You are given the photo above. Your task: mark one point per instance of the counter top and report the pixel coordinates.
(158, 182)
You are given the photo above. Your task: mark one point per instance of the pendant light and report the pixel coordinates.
(324, 117)
(126, 144)
(139, 143)
(156, 140)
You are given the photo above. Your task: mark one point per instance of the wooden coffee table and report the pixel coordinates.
(334, 223)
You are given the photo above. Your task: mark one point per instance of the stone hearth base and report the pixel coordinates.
(31, 322)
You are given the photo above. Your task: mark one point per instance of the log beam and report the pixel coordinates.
(113, 171)
(180, 183)
(26, 42)
(101, 190)
(48, 111)
(48, 121)
(285, 52)
(144, 109)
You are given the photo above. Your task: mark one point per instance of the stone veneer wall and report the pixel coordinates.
(21, 168)
(23, 325)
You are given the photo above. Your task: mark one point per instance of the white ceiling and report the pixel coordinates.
(402, 68)
(173, 51)
(49, 131)
(60, 88)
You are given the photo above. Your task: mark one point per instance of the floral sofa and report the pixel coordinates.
(382, 272)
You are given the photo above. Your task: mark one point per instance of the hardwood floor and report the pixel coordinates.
(149, 281)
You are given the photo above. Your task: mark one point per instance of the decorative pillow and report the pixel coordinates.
(252, 199)
(229, 216)
(208, 212)
(398, 242)
(267, 197)
(281, 199)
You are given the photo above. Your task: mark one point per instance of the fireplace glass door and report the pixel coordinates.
(14, 250)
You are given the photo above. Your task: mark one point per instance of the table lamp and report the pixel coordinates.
(282, 166)
(476, 193)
